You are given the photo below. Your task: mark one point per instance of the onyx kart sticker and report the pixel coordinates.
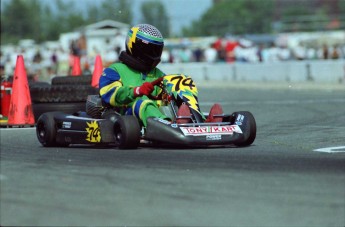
(214, 137)
(166, 122)
(239, 119)
(66, 124)
(163, 121)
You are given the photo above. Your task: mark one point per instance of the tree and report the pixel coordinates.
(20, 20)
(118, 10)
(47, 25)
(23, 19)
(94, 14)
(235, 17)
(154, 13)
(68, 16)
(301, 18)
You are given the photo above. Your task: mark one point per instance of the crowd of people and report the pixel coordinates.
(43, 63)
(241, 50)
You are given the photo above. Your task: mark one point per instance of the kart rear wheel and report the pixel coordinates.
(127, 132)
(46, 129)
(247, 123)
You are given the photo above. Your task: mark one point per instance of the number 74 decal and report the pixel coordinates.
(93, 132)
(180, 82)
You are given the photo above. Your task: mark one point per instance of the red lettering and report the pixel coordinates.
(215, 129)
(190, 130)
(232, 128)
(196, 130)
(201, 130)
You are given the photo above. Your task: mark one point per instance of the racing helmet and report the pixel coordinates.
(145, 43)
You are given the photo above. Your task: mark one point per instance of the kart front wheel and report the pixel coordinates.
(127, 132)
(246, 122)
(46, 129)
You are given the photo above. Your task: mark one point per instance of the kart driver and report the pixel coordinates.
(126, 84)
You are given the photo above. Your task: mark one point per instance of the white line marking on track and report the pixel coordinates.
(331, 149)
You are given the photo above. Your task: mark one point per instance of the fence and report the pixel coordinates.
(320, 71)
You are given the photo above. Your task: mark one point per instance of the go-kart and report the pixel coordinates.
(103, 125)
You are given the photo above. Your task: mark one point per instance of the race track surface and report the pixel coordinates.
(293, 174)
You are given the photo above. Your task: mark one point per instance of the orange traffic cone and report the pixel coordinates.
(97, 72)
(20, 112)
(76, 71)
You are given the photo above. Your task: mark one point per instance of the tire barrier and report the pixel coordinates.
(70, 80)
(69, 98)
(62, 93)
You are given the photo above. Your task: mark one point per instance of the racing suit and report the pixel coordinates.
(116, 89)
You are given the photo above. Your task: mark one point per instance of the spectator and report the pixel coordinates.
(299, 52)
(2, 60)
(210, 54)
(71, 62)
(118, 42)
(273, 53)
(38, 57)
(51, 73)
(246, 51)
(198, 54)
(230, 46)
(259, 52)
(86, 69)
(165, 56)
(82, 46)
(54, 61)
(335, 52)
(2, 71)
(110, 57)
(311, 53)
(37, 61)
(219, 47)
(186, 54)
(74, 49)
(284, 54)
(325, 51)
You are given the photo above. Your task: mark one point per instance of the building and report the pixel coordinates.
(100, 36)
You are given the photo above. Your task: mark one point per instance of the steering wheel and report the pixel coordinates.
(157, 82)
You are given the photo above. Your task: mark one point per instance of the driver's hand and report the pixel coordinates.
(145, 89)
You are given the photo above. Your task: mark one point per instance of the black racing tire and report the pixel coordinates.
(67, 108)
(72, 80)
(33, 84)
(46, 130)
(248, 127)
(62, 93)
(127, 132)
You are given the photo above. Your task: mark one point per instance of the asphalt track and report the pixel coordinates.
(281, 180)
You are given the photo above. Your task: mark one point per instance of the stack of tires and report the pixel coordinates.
(66, 94)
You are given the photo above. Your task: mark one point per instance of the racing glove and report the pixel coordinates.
(145, 89)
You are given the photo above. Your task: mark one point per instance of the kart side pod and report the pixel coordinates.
(56, 129)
